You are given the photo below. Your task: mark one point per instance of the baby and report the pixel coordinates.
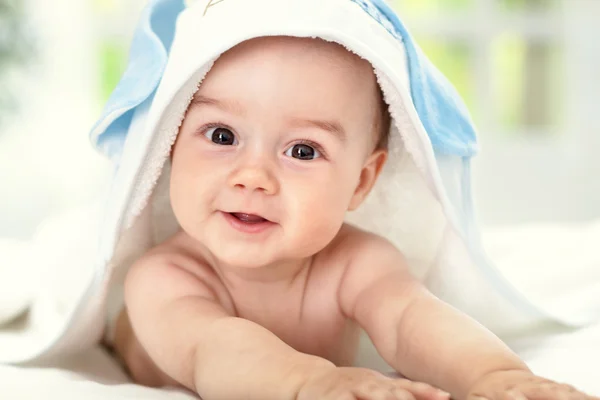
(264, 291)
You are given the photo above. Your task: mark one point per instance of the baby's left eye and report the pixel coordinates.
(303, 152)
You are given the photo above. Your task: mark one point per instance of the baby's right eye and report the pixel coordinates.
(221, 136)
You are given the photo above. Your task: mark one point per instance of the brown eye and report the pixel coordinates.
(221, 136)
(303, 152)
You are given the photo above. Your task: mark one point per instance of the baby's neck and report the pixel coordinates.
(283, 273)
(270, 295)
(278, 273)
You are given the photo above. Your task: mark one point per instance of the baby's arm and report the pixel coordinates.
(419, 335)
(181, 324)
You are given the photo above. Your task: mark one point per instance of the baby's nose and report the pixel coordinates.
(255, 177)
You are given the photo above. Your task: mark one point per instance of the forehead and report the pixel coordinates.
(278, 68)
(300, 49)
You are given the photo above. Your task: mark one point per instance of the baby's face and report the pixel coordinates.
(276, 146)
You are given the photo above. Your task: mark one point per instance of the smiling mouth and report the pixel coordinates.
(249, 218)
(248, 223)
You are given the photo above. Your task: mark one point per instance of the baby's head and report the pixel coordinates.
(282, 138)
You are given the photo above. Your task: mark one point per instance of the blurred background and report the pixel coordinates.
(529, 71)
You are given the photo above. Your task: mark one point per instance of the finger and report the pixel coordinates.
(553, 391)
(515, 395)
(488, 395)
(548, 391)
(380, 391)
(345, 396)
(402, 394)
(340, 396)
(421, 390)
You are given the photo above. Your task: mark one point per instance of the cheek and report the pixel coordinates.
(190, 182)
(318, 207)
(327, 190)
(182, 195)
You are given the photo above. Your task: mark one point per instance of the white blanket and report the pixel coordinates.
(558, 264)
(94, 375)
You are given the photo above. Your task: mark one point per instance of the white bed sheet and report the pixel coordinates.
(94, 375)
(570, 358)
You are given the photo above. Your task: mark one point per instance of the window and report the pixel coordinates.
(504, 56)
(529, 72)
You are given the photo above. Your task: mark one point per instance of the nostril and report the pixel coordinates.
(253, 180)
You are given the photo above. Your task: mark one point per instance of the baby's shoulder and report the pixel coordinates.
(354, 240)
(353, 244)
(356, 258)
(178, 252)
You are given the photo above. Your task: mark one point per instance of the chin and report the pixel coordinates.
(244, 258)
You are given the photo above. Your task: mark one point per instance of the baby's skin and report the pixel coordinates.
(264, 291)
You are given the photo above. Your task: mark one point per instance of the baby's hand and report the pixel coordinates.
(523, 385)
(365, 384)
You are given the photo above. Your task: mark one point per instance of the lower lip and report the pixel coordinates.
(247, 227)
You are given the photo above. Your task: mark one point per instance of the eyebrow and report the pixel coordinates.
(230, 106)
(333, 127)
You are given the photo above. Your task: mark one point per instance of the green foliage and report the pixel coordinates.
(434, 6)
(113, 60)
(15, 47)
(527, 4)
(431, 6)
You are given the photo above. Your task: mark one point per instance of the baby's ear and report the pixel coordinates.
(368, 176)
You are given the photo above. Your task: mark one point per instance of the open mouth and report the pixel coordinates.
(248, 223)
(249, 218)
